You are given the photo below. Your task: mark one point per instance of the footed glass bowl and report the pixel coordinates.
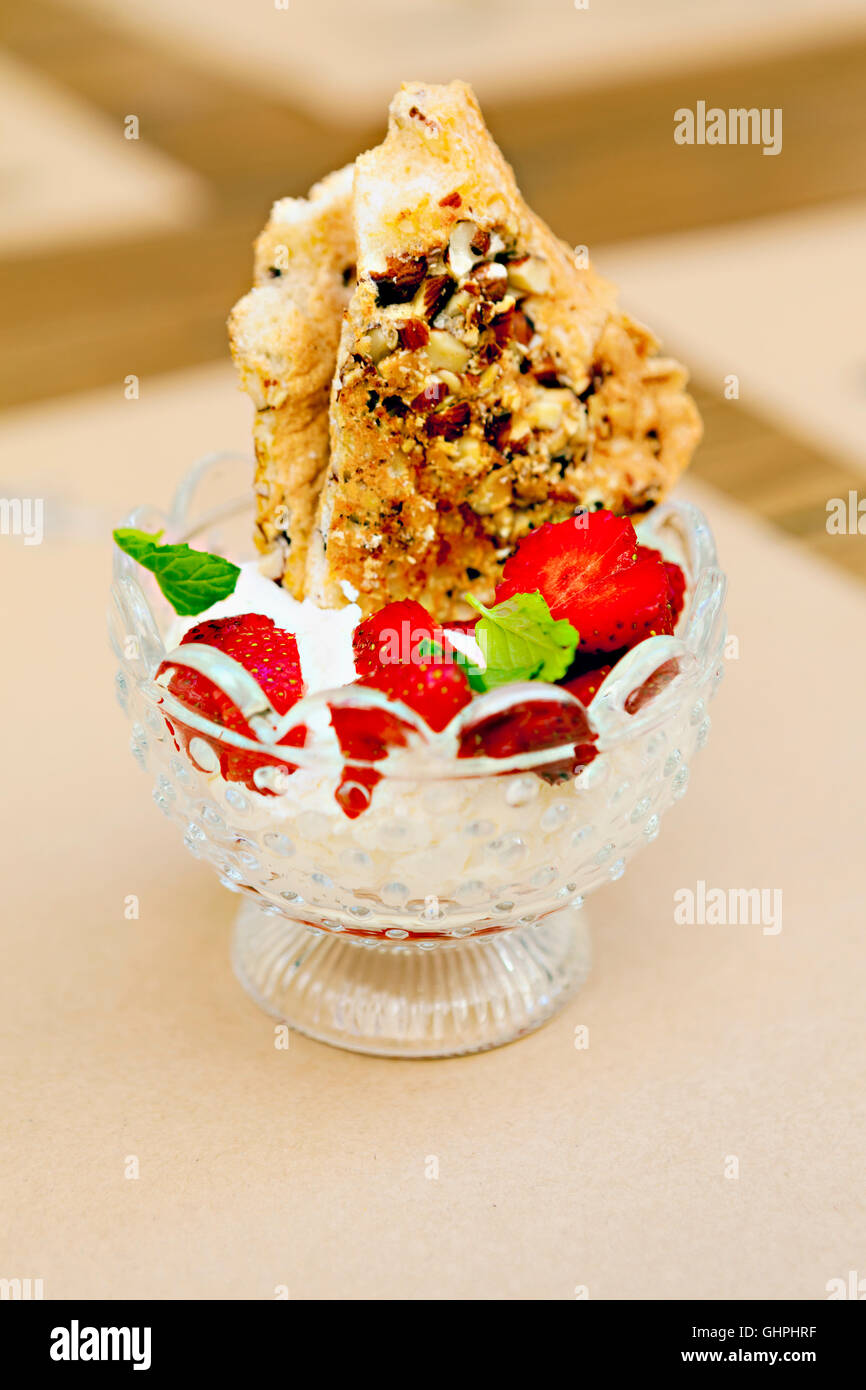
(447, 917)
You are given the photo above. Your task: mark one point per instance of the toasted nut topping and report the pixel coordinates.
(433, 394)
(461, 256)
(459, 302)
(413, 334)
(433, 295)
(491, 494)
(546, 373)
(450, 422)
(530, 274)
(545, 412)
(397, 283)
(491, 278)
(469, 451)
(480, 243)
(496, 429)
(377, 343)
(444, 350)
(451, 380)
(580, 428)
(513, 325)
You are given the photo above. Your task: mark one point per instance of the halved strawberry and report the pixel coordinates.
(391, 636)
(366, 734)
(355, 790)
(536, 725)
(434, 689)
(401, 651)
(588, 570)
(390, 656)
(676, 579)
(583, 682)
(652, 686)
(271, 656)
(585, 686)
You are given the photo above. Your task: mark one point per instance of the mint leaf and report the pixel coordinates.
(191, 580)
(522, 642)
(138, 544)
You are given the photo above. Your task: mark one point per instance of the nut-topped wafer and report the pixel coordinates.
(284, 337)
(485, 383)
(643, 424)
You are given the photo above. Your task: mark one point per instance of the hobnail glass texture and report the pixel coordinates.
(447, 917)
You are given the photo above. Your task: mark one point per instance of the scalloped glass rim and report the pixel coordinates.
(679, 528)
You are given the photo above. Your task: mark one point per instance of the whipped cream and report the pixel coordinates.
(324, 635)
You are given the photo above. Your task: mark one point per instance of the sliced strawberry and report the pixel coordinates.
(536, 725)
(390, 655)
(355, 791)
(435, 690)
(366, 734)
(676, 587)
(564, 558)
(430, 684)
(271, 657)
(652, 686)
(588, 570)
(584, 682)
(585, 686)
(391, 636)
(676, 579)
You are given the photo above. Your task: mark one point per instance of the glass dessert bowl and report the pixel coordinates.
(447, 917)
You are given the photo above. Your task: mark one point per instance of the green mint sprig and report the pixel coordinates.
(520, 641)
(191, 580)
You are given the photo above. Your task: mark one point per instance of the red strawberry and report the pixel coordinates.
(435, 690)
(271, 657)
(387, 658)
(366, 734)
(652, 686)
(676, 579)
(588, 570)
(537, 724)
(391, 636)
(585, 686)
(583, 683)
(355, 791)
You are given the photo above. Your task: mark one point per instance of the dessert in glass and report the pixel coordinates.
(439, 674)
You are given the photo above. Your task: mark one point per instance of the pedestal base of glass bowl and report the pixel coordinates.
(402, 1000)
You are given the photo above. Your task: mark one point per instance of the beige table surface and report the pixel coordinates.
(305, 1168)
